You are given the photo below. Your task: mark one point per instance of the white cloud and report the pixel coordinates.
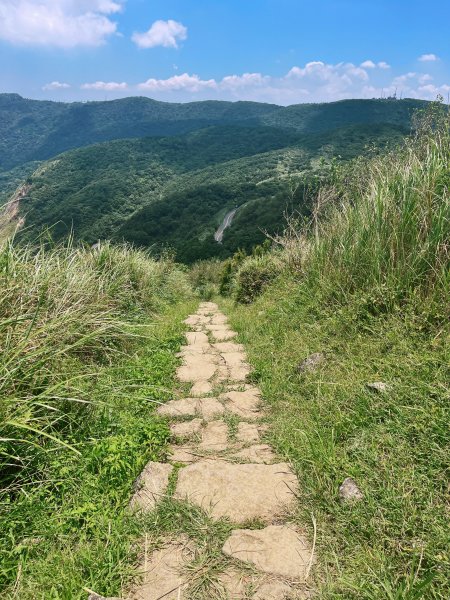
(56, 85)
(383, 65)
(61, 23)
(184, 82)
(428, 58)
(235, 82)
(109, 86)
(368, 64)
(161, 33)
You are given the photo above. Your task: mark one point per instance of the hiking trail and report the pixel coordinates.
(225, 468)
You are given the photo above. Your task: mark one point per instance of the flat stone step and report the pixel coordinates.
(259, 453)
(277, 549)
(238, 491)
(163, 576)
(247, 433)
(214, 436)
(208, 408)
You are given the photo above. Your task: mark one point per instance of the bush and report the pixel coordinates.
(62, 312)
(254, 275)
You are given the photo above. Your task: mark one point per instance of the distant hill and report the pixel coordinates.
(173, 191)
(38, 130)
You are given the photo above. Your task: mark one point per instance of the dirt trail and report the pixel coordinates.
(225, 468)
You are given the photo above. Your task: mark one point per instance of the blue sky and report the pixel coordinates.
(282, 51)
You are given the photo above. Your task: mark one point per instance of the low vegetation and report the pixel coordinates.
(365, 283)
(88, 340)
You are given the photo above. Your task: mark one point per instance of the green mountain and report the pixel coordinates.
(37, 130)
(182, 166)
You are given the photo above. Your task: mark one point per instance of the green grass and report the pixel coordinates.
(331, 426)
(71, 530)
(365, 283)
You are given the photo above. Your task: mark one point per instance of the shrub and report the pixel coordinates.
(63, 311)
(254, 275)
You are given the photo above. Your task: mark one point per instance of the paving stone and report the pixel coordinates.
(218, 319)
(260, 454)
(224, 347)
(163, 576)
(238, 491)
(277, 549)
(150, 486)
(247, 433)
(208, 408)
(201, 388)
(234, 584)
(184, 454)
(197, 367)
(187, 428)
(197, 338)
(215, 436)
(237, 367)
(244, 404)
(273, 591)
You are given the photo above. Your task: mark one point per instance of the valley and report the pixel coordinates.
(161, 176)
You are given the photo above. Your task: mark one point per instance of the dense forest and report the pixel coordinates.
(181, 167)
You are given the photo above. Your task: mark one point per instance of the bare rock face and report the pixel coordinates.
(349, 491)
(311, 363)
(163, 575)
(151, 486)
(277, 549)
(240, 492)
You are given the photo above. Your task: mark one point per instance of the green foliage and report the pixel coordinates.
(254, 275)
(88, 352)
(62, 313)
(366, 283)
(173, 191)
(38, 130)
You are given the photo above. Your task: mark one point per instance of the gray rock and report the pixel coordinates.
(349, 491)
(378, 386)
(311, 362)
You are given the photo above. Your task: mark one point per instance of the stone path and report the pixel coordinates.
(226, 469)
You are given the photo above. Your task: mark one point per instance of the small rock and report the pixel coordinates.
(378, 386)
(349, 491)
(311, 362)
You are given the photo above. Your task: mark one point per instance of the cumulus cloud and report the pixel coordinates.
(161, 33)
(184, 82)
(110, 86)
(428, 58)
(235, 82)
(61, 23)
(56, 85)
(368, 64)
(383, 65)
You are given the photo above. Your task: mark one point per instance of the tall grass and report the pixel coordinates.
(63, 311)
(383, 223)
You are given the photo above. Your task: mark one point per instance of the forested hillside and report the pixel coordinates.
(182, 166)
(38, 130)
